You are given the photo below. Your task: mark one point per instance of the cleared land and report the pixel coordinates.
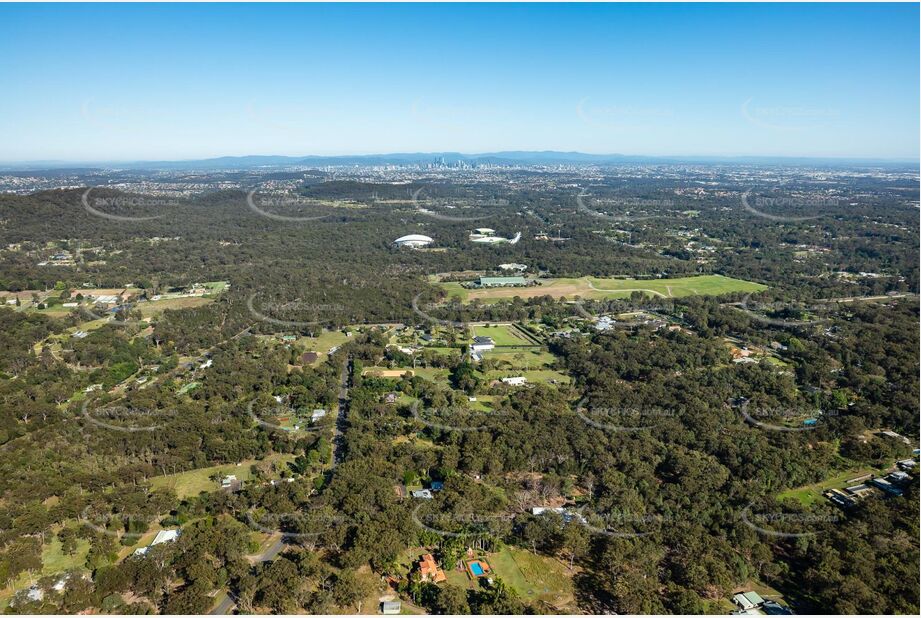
(380, 372)
(193, 482)
(596, 288)
(502, 334)
(322, 344)
(183, 302)
(533, 577)
(543, 376)
(810, 494)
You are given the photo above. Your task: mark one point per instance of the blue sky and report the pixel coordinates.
(129, 82)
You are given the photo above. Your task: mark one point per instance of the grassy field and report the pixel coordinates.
(810, 494)
(435, 374)
(53, 561)
(154, 307)
(531, 359)
(323, 343)
(597, 288)
(533, 376)
(533, 577)
(215, 287)
(502, 334)
(193, 482)
(383, 372)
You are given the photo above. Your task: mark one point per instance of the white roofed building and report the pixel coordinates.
(413, 241)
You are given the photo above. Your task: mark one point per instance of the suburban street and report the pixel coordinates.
(227, 604)
(342, 412)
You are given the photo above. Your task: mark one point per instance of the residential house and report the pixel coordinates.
(907, 464)
(430, 571)
(483, 344)
(748, 600)
(164, 536)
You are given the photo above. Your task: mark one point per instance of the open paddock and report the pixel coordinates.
(606, 288)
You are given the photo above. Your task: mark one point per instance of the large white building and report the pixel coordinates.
(485, 235)
(413, 241)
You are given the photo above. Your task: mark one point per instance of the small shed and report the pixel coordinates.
(391, 608)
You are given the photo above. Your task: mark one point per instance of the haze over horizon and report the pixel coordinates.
(172, 83)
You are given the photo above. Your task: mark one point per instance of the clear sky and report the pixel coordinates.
(130, 82)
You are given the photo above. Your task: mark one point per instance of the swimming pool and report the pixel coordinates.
(476, 569)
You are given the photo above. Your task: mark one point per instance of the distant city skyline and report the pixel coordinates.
(91, 83)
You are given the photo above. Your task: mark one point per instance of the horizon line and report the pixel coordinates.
(491, 153)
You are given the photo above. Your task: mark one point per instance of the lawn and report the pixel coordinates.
(533, 577)
(599, 288)
(531, 359)
(483, 403)
(56, 561)
(215, 287)
(53, 561)
(384, 372)
(502, 334)
(533, 376)
(810, 494)
(323, 343)
(154, 307)
(434, 374)
(193, 482)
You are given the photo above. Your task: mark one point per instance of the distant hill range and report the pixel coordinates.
(514, 157)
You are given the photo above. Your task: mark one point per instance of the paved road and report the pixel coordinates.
(227, 604)
(271, 551)
(342, 412)
(225, 607)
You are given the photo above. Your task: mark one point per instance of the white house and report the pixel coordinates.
(515, 381)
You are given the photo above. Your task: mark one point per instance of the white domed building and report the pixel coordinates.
(413, 241)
